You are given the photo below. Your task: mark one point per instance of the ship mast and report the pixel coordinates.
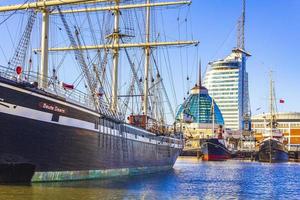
(43, 79)
(116, 45)
(271, 105)
(271, 115)
(147, 62)
(43, 6)
(116, 41)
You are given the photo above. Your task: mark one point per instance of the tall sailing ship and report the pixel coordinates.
(50, 131)
(272, 148)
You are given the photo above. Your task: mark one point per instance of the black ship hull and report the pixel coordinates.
(213, 150)
(272, 151)
(64, 141)
(14, 172)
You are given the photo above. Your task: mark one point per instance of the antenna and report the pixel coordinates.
(241, 29)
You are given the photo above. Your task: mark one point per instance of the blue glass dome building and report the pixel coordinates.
(199, 117)
(197, 108)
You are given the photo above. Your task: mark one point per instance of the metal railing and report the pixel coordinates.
(73, 96)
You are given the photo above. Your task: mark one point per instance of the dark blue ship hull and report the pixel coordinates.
(213, 150)
(44, 138)
(272, 151)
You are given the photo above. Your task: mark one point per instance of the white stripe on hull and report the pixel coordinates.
(26, 112)
(67, 121)
(49, 99)
(69, 105)
(76, 123)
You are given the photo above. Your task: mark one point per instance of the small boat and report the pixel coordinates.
(214, 149)
(272, 149)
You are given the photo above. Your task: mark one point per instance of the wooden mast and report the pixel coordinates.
(147, 63)
(43, 76)
(116, 41)
(42, 6)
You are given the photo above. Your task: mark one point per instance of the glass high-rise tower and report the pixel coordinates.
(227, 82)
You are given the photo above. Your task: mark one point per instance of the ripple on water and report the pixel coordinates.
(190, 179)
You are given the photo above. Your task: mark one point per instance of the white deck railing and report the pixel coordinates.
(55, 88)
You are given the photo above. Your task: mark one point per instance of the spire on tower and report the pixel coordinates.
(199, 89)
(241, 29)
(199, 78)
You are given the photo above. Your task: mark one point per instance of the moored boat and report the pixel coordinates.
(214, 149)
(59, 140)
(51, 131)
(272, 149)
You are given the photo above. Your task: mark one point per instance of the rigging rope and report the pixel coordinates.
(22, 47)
(80, 59)
(168, 64)
(9, 16)
(164, 90)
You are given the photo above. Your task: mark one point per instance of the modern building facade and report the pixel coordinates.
(227, 82)
(288, 124)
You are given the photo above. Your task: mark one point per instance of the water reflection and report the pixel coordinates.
(190, 179)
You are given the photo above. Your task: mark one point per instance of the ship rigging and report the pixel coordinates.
(72, 135)
(114, 43)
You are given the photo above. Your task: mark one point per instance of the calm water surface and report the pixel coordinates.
(190, 179)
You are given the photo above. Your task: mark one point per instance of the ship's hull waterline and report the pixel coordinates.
(58, 141)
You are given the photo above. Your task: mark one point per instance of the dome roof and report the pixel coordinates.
(199, 106)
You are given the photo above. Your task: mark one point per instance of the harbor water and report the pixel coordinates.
(190, 179)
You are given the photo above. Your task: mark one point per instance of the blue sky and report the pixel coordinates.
(272, 37)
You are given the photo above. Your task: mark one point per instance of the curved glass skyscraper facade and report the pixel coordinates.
(227, 82)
